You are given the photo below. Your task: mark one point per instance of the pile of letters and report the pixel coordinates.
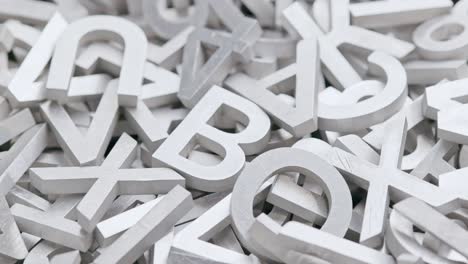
(233, 131)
